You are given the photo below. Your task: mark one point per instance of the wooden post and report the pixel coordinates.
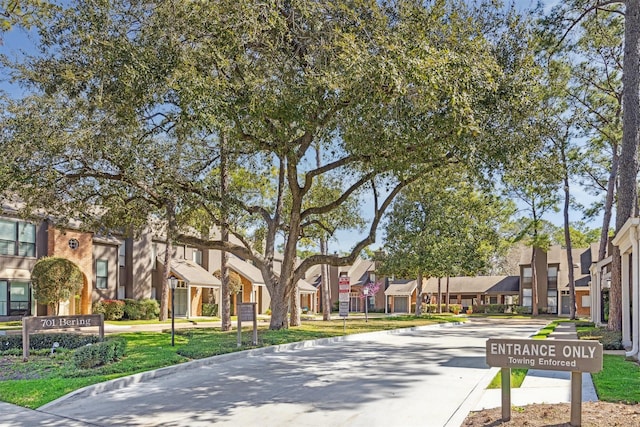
(576, 399)
(506, 393)
(25, 341)
(255, 323)
(239, 328)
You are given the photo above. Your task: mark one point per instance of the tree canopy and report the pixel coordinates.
(130, 102)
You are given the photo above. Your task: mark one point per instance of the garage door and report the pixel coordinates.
(401, 305)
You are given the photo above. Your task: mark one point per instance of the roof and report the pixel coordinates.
(476, 285)
(249, 271)
(193, 274)
(359, 271)
(401, 289)
(306, 288)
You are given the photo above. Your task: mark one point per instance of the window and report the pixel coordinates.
(552, 301)
(585, 300)
(154, 255)
(3, 297)
(19, 298)
(526, 275)
(122, 254)
(552, 277)
(526, 298)
(102, 274)
(197, 256)
(17, 238)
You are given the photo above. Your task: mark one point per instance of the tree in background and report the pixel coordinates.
(443, 226)
(534, 183)
(55, 280)
(563, 20)
(369, 290)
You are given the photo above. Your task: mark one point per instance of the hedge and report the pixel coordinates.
(101, 353)
(433, 308)
(45, 341)
(144, 309)
(112, 309)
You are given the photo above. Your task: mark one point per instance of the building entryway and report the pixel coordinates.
(181, 302)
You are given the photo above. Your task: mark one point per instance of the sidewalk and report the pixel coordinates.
(543, 386)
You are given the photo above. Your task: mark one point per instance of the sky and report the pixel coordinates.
(17, 40)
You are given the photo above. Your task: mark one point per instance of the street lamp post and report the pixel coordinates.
(365, 291)
(173, 282)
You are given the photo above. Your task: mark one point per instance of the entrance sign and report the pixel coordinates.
(576, 356)
(31, 324)
(550, 355)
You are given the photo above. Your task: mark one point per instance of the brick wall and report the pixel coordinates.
(58, 245)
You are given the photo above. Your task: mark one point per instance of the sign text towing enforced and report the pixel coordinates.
(576, 356)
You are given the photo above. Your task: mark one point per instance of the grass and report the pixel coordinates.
(517, 377)
(44, 378)
(518, 374)
(619, 380)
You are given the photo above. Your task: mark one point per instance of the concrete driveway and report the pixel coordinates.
(430, 376)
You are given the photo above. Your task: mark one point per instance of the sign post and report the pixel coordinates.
(576, 356)
(344, 290)
(247, 313)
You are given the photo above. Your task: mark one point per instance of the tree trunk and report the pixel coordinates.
(567, 235)
(608, 205)
(627, 188)
(326, 284)
(615, 292)
(440, 295)
(534, 283)
(279, 307)
(295, 306)
(419, 294)
(164, 297)
(446, 302)
(225, 304)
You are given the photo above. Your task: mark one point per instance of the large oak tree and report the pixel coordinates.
(131, 100)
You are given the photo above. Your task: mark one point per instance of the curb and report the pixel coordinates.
(123, 382)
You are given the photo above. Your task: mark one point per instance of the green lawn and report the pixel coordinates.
(619, 380)
(45, 378)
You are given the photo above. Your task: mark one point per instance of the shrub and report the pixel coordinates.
(151, 308)
(209, 309)
(100, 353)
(45, 341)
(433, 308)
(493, 308)
(143, 309)
(112, 309)
(611, 340)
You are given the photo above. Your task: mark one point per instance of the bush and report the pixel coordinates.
(100, 353)
(494, 308)
(611, 340)
(112, 309)
(143, 309)
(209, 309)
(151, 308)
(45, 341)
(433, 308)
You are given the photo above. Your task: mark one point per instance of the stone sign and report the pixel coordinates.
(32, 324)
(552, 355)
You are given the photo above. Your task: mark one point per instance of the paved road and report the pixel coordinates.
(425, 377)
